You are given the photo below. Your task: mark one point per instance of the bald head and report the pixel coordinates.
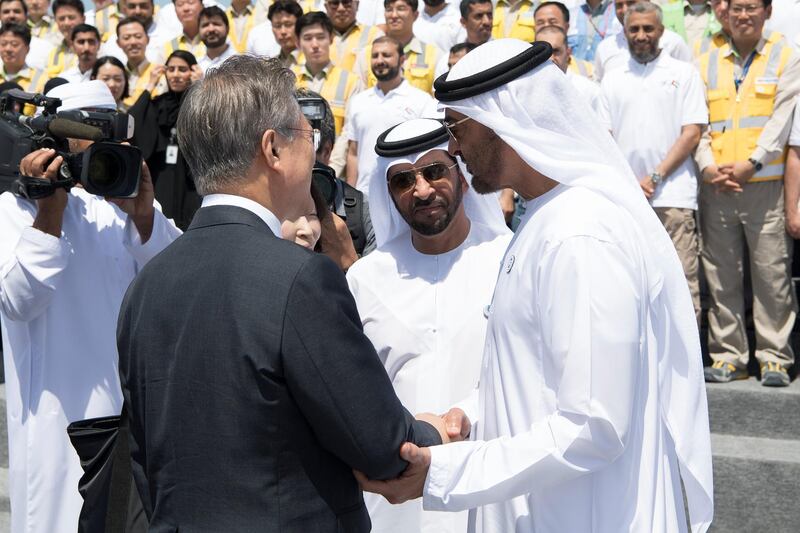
(557, 38)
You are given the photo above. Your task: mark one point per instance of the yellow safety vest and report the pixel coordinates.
(719, 39)
(579, 66)
(106, 20)
(309, 5)
(516, 25)
(338, 87)
(61, 58)
(419, 70)
(737, 119)
(183, 43)
(344, 49)
(44, 28)
(239, 42)
(31, 79)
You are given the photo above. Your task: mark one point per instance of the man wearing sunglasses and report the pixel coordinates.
(422, 294)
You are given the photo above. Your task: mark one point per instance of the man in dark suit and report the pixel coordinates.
(252, 391)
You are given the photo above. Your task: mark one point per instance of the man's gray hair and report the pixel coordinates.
(644, 7)
(224, 117)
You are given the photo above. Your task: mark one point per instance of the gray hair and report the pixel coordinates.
(643, 8)
(224, 116)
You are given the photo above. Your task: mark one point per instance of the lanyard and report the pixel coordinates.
(603, 25)
(745, 69)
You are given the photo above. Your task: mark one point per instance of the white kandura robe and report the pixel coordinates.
(59, 300)
(569, 436)
(425, 316)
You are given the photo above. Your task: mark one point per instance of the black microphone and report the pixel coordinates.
(61, 127)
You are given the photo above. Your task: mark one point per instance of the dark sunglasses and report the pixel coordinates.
(404, 181)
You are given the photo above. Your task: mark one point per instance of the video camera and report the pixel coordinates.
(106, 168)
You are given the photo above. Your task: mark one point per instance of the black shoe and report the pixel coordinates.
(774, 375)
(722, 372)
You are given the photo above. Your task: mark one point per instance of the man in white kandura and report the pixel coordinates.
(591, 408)
(65, 262)
(422, 294)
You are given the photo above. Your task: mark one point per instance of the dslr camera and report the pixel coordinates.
(106, 168)
(324, 178)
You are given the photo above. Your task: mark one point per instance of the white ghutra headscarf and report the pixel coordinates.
(541, 116)
(386, 220)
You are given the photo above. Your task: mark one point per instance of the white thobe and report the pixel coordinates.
(59, 299)
(569, 434)
(425, 316)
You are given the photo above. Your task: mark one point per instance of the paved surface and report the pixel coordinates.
(756, 444)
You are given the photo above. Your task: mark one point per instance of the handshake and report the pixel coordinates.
(453, 426)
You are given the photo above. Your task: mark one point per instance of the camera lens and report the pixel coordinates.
(104, 170)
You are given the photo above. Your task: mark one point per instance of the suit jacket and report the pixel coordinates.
(251, 388)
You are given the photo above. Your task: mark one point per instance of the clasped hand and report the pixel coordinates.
(729, 177)
(452, 426)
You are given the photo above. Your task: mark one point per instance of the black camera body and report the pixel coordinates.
(106, 168)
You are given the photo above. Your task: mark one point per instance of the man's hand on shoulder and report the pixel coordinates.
(409, 484)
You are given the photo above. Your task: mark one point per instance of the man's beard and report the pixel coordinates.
(440, 224)
(646, 56)
(391, 73)
(433, 3)
(211, 43)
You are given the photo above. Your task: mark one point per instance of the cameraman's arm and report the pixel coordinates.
(32, 253)
(147, 230)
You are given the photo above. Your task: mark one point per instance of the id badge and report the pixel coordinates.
(172, 154)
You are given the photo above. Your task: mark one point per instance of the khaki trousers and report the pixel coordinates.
(682, 229)
(728, 221)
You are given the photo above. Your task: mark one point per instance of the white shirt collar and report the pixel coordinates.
(400, 90)
(245, 203)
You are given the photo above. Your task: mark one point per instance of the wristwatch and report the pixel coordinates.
(758, 165)
(656, 178)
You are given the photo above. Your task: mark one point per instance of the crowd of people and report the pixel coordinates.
(700, 97)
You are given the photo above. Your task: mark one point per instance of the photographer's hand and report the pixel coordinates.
(140, 209)
(336, 243)
(50, 210)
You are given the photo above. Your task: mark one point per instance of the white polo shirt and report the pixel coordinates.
(440, 29)
(206, 62)
(794, 136)
(612, 52)
(644, 106)
(371, 112)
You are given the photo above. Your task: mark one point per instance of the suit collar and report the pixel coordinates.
(220, 215)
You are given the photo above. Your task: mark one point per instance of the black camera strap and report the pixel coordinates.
(38, 188)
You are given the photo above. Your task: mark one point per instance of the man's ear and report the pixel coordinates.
(269, 150)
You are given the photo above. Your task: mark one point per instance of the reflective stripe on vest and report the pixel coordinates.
(736, 120)
(37, 78)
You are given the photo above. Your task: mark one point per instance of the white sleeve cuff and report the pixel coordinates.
(445, 459)
(164, 232)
